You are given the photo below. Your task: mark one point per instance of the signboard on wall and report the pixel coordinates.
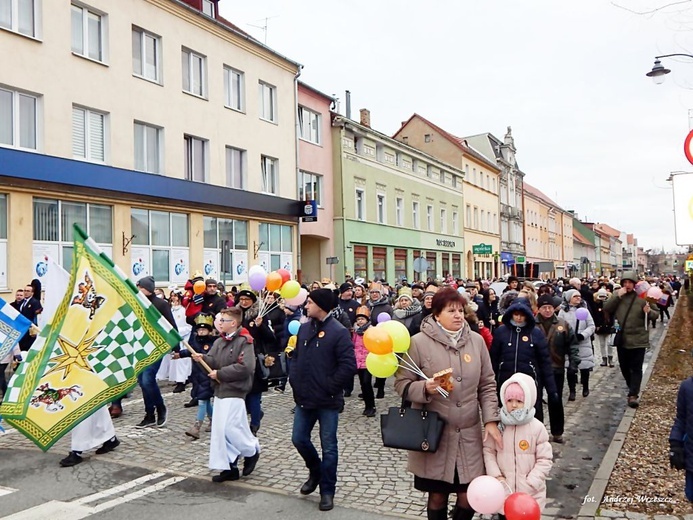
(240, 266)
(211, 259)
(263, 260)
(139, 263)
(287, 262)
(40, 255)
(179, 268)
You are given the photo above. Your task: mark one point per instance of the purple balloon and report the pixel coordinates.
(257, 281)
(582, 314)
(383, 316)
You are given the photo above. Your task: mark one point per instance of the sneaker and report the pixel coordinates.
(227, 474)
(191, 404)
(161, 417)
(180, 387)
(115, 411)
(148, 420)
(109, 445)
(633, 401)
(369, 412)
(72, 459)
(558, 439)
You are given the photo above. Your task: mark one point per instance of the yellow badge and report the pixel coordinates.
(523, 445)
(559, 328)
(525, 338)
(467, 358)
(321, 334)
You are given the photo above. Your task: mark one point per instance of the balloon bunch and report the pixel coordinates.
(277, 281)
(487, 496)
(385, 342)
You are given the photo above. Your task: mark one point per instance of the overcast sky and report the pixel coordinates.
(592, 132)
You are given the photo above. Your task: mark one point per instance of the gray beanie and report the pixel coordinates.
(568, 295)
(147, 283)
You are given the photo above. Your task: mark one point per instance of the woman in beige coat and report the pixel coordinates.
(446, 341)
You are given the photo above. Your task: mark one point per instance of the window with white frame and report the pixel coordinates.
(147, 148)
(268, 102)
(275, 239)
(234, 89)
(382, 209)
(270, 174)
(429, 217)
(494, 185)
(19, 16)
(88, 134)
(236, 166)
(194, 72)
(196, 151)
(3, 240)
(163, 237)
(309, 125)
(53, 220)
(492, 223)
(443, 221)
(473, 175)
(18, 119)
(88, 33)
(476, 217)
(455, 223)
(399, 211)
(483, 221)
(146, 55)
(360, 205)
(468, 215)
(223, 235)
(310, 187)
(208, 8)
(481, 179)
(415, 215)
(454, 181)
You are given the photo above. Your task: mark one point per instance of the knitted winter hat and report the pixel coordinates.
(405, 292)
(323, 298)
(545, 299)
(568, 295)
(514, 391)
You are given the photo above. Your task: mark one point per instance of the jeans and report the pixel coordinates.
(605, 348)
(365, 379)
(630, 360)
(304, 421)
(204, 407)
(253, 404)
(689, 485)
(150, 389)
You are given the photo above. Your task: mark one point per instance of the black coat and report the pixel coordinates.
(322, 364)
(264, 342)
(202, 385)
(682, 431)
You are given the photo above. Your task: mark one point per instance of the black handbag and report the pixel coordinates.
(406, 428)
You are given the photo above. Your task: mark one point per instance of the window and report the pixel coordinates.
(399, 205)
(18, 119)
(454, 181)
(382, 210)
(443, 221)
(226, 244)
(270, 174)
(494, 185)
(483, 221)
(208, 7)
(379, 262)
(309, 125)
(455, 223)
(146, 59)
(234, 89)
(147, 148)
(276, 239)
(468, 215)
(442, 177)
(53, 221)
(427, 138)
(161, 241)
(415, 214)
(492, 221)
(88, 134)
(400, 264)
(310, 187)
(429, 171)
(429, 217)
(236, 168)
(476, 217)
(19, 16)
(268, 102)
(87, 33)
(481, 179)
(360, 205)
(195, 158)
(194, 73)
(473, 175)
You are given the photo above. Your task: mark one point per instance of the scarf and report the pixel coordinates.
(413, 309)
(516, 417)
(453, 335)
(515, 324)
(383, 300)
(362, 330)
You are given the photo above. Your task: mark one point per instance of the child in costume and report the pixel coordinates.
(363, 321)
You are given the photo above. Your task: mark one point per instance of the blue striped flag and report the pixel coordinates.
(12, 327)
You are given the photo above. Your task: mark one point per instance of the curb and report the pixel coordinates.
(601, 478)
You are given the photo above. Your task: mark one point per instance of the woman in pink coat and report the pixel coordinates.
(363, 321)
(526, 458)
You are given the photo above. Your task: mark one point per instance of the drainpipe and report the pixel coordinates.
(298, 170)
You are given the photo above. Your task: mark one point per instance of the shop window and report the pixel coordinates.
(276, 247)
(400, 264)
(226, 249)
(456, 266)
(432, 265)
(446, 264)
(160, 245)
(361, 262)
(379, 263)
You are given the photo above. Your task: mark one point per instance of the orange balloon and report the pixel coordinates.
(199, 287)
(274, 281)
(377, 341)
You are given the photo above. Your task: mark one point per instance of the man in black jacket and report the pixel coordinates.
(322, 364)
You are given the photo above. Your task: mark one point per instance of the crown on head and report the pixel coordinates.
(204, 319)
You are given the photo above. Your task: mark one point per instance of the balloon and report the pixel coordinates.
(383, 317)
(294, 326)
(521, 506)
(257, 280)
(486, 495)
(199, 287)
(641, 288)
(217, 322)
(398, 333)
(286, 275)
(582, 314)
(274, 281)
(462, 290)
(290, 289)
(381, 366)
(654, 292)
(257, 269)
(297, 300)
(377, 341)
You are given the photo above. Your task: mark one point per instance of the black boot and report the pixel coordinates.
(585, 380)
(461, 513)
(611, 361)
(312, 483)
(571, 395)
(436, 514)
(603, 363)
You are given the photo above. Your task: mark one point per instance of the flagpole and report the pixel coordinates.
(201, 361)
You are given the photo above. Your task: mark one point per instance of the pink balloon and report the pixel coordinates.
(298, 299)
(257, 280)
(655, 293)
(486, 495)
(582, 314)
(383, 316)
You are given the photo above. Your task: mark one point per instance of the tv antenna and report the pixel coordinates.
(264, 26)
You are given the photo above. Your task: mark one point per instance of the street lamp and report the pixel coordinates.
(659, 71)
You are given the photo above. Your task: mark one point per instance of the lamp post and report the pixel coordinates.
(659, 71)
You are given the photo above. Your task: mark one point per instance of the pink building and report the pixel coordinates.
(315, 181)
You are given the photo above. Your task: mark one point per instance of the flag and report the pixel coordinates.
(12, 327)
(54, 281)
(103, 333)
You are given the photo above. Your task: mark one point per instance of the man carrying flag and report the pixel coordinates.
(12, 327)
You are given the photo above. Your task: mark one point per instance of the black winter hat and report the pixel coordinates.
(323, 298)
(346, 286)
(545, 299)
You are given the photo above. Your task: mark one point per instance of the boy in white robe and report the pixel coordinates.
(92, 431)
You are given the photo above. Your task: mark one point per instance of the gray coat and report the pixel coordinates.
(586, 328)
(234, 362)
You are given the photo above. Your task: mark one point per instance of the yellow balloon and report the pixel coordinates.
(290, 289)
(383, 365)
(399, 333)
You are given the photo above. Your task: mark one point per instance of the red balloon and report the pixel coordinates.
(286, 275)
(521, 506)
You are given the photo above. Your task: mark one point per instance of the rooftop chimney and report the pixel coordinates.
(348, 104)
(365, 117)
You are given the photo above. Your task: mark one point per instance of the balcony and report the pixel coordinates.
(506, 210)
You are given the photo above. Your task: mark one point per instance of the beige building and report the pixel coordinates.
(164, 130)
(480, 190)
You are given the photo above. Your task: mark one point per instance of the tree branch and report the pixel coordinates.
(653, 11)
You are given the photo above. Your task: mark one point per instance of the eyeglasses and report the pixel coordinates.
(225, 321)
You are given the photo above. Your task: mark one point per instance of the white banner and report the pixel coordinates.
(683, 208)
(263, 260)
(240, 266)
(139, 263)
(55, 282)
(211, 260)
(180, 266)
(41, 252)
(287, 262)
(3, 264)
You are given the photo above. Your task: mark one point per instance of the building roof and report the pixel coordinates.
(630, 239)
(540, 195)
(608, 230)
(301, 84)
(581, 238)
(457, 141)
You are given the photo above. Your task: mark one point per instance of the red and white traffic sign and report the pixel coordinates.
(687, 147)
